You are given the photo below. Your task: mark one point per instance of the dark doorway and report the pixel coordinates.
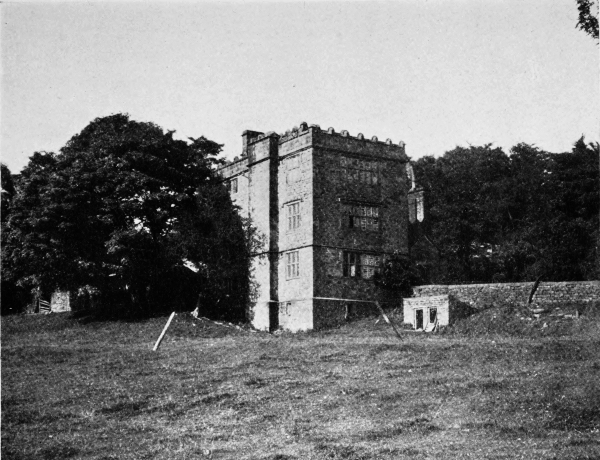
(274, 316)
(432, 315)
(419, 319)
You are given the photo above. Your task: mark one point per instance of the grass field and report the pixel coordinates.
(97, 391)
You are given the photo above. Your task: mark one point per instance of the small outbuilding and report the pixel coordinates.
(60, 301)
(428, 313)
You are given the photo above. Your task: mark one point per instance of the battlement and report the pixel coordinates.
(304, 128)
(318, 137)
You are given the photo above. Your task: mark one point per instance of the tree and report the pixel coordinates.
(123, 210)
(465, 204)
(399, 274)
(8, 191)
(574, 199)
(13, 297)
(520, 255)
(588, 18)
(493, 217)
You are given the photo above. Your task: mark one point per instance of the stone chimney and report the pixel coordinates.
(247, 137)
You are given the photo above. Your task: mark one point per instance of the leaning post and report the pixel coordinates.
(157, 344)
(387, 320)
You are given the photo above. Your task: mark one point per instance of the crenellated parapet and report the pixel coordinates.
(233, 168)
(343, 141)
(304, 128)
(257, 145)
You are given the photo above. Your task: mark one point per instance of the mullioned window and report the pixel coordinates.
(292, 263)
(361, 265)
(359, 171)
(293, 216)
(364, 218)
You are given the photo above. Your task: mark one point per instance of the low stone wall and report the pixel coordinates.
(485, 295)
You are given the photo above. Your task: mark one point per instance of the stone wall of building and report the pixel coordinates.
(302, 172)
(547, 293)
(334, 197)
(60, 301)
(331, 312)
(296, 315)
(295, 233)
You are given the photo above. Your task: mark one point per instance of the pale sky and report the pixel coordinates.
(434, 74)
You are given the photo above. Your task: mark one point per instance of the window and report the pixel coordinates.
(232, 185)
(358, 265)
(359, 171)
(293, 215)
(412, 210)
(292, 262)
(416, 206)
(364, 217)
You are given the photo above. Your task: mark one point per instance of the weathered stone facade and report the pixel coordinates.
(331, 207)
(547, 293)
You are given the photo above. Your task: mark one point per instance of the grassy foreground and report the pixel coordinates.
(97, 391)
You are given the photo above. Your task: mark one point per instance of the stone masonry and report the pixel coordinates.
(548, 294)
(330, 207)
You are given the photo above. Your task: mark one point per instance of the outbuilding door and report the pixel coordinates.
(419, 319)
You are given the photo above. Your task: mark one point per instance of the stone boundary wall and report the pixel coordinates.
(485, 295)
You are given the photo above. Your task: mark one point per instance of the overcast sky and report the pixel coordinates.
(434, 74)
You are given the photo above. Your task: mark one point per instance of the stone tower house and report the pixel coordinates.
(330, 207)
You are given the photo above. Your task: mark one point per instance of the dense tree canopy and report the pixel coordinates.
(588, 17)
(126, 211)
(12, 296)
(497, 217)
(8, 191)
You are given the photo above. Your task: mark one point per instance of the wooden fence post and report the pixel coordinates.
(157, 344)
(387, 320)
